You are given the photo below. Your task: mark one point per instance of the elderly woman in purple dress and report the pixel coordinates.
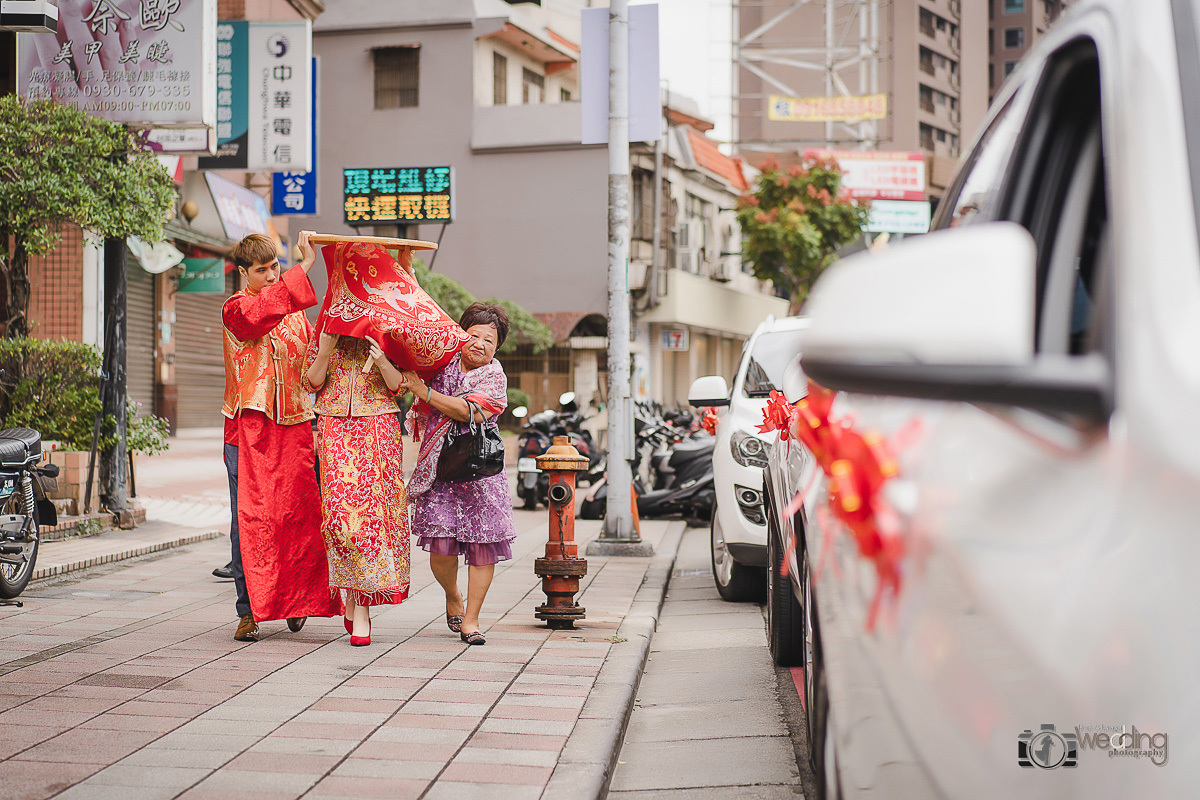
(474, 518)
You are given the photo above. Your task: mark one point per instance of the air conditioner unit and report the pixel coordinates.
(720, 271)
(685, 259)
(956, 8)
(955, 116)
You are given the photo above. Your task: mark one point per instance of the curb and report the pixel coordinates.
(588, 759)
(55, 570)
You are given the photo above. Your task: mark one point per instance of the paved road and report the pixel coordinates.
(714, 717)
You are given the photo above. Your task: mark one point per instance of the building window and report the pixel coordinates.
(991, 41)
(397, 76)
(499, 80)
(1014, 38)
(564, 95)
(991, 76)
(926, 22)
(926, 132)
(533, 87)
(926, 96)
(1009, 66)
(642, 205)
(1014, 6)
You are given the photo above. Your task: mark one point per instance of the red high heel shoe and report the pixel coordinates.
(349, 624)
(361, 641)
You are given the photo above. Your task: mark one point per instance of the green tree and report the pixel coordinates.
(794, 223)
(454, 298)
(59, 165)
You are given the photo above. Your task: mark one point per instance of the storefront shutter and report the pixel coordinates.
(199, 362)
(139, 355)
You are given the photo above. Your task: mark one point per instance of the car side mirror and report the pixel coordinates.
(711, 390)
(794, 384)
(947, 316)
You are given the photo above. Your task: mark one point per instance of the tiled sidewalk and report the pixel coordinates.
(68, 555)
(124, 682)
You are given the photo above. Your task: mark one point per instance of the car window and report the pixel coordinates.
(1058, 193)
(982, 174)
(770, 357)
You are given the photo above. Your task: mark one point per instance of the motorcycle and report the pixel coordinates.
(672, 471)
(538, 434)
(23, 506)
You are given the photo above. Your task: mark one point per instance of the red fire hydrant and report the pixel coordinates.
(561, 568)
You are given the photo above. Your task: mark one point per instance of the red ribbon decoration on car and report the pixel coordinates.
(858, 466)
(709, 420)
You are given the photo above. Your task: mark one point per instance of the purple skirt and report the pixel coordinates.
(477, 554)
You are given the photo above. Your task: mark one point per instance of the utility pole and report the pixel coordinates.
(618, 536)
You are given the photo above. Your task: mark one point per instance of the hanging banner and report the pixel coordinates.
(241, 210)
(264, 96)
(202, 276)
(398, 195)
(146, 64)
(294, 194)
(233, 97)
(878, 175)
(280, 70)
(826, 109)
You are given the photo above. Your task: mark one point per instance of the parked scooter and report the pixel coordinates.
(536, 438)
(533, 441)
(23, 506)
(672, 471)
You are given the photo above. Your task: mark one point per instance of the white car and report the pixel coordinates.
(1034, 367)
(738, 529)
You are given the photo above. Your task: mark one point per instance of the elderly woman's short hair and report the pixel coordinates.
(487, 314)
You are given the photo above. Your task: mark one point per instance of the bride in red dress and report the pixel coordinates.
(364, 506)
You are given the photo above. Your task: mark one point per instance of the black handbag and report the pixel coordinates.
(470, 451)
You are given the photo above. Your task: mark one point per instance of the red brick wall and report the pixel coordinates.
(231, 9)
(56, 300)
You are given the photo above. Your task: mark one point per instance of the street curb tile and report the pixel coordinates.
(589, 757)
(55, 570)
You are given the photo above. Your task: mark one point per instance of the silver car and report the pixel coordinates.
(1032, 368)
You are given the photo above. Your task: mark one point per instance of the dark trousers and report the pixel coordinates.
(242, 604)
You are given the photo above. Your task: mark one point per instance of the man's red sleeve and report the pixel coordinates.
(250, 316)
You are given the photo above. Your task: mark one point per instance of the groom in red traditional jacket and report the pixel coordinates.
(280, 570)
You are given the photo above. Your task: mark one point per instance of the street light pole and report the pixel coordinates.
(618, 537)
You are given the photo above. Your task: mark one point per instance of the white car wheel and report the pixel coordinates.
(735, 582)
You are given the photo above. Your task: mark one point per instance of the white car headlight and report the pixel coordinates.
(749, 451)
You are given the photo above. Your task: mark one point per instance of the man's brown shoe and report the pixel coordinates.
(296, 623)
(247, 630)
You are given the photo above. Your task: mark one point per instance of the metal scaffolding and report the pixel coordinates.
(847, 54)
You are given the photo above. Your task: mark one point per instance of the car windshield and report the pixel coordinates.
(770, 357)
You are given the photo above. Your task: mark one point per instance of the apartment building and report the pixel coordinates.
(928, 57)
(491, 89)
(1013, 27)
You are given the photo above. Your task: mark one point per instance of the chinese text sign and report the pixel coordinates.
(398, 195)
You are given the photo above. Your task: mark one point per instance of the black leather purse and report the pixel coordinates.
(470, 451)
